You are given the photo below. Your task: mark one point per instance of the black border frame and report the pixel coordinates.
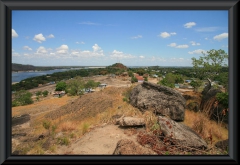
(6, 6)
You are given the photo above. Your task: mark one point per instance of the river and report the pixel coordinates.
(18, 76)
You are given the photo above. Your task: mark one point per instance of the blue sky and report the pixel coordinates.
(102, 38)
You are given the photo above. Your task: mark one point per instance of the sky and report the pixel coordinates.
(105, 37)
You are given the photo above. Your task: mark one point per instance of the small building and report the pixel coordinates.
(58, 93)
(188, 81)
(102, 85)
(140, 79)
(154, 76)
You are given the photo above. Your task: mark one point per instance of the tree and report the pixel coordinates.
(75, 86)
(223, 79)
(178, 79)
(196, 84)
(134, 79)
(61, 86)
(91, 84)
(145, 79)
(22, 97)
(208, 65)
(45, 93)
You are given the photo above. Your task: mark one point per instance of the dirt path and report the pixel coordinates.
(99, 141)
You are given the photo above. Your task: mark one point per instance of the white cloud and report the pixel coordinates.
(164, 35)
(136, 37)
(172, 45)
(15, 54)
(207, 29)
(80, 42)
(198, 51)
(120, 55)
(206, 38)
(220, 36)
(63, 49)
(182, 46)
(159, 59)
(141, 57)
(14, 34)
(96, 47)
(176, 59)
(41, 50)
(27, 48)
(89, 23)
(173, 33)
(97, 52)
(39, 38)
(189, 24)
(193, 43)
(12, 50)
(51, 36)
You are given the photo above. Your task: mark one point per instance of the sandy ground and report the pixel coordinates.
(101, 140)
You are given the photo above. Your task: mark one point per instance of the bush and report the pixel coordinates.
(134, 79)
(222, 98)
(39, 93)
(22, 98)
(45, 93)
(61, 86)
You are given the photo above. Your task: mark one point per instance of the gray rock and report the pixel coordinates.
(222, 144)
(130, 121)
(160, 99)
(128, 147)
(184, 135)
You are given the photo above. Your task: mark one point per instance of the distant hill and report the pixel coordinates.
(118, 66)
(20, 67)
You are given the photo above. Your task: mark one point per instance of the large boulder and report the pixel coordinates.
(162, 100)
(183, 135)
(130, 121)
(128, 147)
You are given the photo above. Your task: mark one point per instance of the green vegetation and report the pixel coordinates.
(222, 98)
(171, 79)
(210, 64)
(39, 93)
(22, 98)
(196, 84)
(134, 79)
(75, 86)
(45, 93)
(61, 86)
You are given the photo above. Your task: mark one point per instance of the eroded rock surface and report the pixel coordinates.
(160, 99)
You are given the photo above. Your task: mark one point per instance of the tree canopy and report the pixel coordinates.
(61, 86)
(210, 64)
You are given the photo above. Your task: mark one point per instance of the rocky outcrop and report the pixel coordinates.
(183, 135)
(20, 119)
(130, 121)
(128, 147)
(162, 100)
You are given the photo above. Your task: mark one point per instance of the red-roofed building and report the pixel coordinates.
(140, 79)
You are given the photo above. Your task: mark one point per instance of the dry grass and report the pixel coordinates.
(210, 130)
(67, 126)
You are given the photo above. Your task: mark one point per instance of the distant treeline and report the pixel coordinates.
(21, 67)
(116, 69)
